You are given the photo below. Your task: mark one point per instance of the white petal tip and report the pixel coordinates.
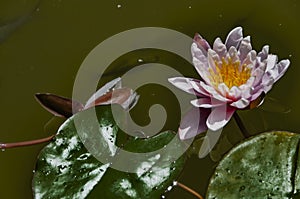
(216, 126)
(184, 133)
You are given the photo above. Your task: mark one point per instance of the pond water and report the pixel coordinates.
(44, 42)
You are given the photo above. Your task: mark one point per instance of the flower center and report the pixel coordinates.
(229, 72)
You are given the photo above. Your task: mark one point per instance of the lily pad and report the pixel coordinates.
(264, 166)
(65, 169)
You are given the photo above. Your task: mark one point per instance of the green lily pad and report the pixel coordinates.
(264, 166)
(65, 169)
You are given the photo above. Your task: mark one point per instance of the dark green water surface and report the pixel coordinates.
(43, 43)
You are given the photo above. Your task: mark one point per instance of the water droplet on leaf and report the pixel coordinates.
(169, 188)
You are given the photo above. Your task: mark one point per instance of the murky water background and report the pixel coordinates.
(44, 42)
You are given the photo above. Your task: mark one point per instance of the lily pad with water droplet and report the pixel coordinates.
(66, 169)
(264, 166)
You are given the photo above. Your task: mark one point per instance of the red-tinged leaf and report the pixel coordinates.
(57, 105)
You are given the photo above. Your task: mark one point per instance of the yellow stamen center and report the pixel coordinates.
(229, 72)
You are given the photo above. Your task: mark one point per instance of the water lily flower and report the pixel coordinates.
(232, 75)
(111, 93)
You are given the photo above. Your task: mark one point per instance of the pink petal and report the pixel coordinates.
(250, 59)
(202, 70)
(245, 48)
(219, 117)
(131, 101)
(256, 95)
(197, 53)
(219, 47)
(183, 83)
(267, 82)
(258, 74)
(206, 103)
(193, 123)
(213, 57)
(234, 37)
(247, 88)
(126, 97)
(235, 93)
(201, 43)
(271, 62)
(223, 89)
(278, 70)
(213, 93)
(264, 53)
(273, 74)
(282, 67)
(103, 90)
(198, 88)
(233, 54)
(241, 103)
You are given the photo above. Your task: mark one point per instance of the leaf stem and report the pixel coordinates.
(191, 191)
(241, 125)
(25, 143)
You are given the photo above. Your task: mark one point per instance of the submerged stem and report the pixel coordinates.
(25, 143)
(241, 126)
(191, 191)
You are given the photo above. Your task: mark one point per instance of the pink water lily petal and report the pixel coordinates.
(233, 54)
(267, 82)
(202, 70)
(250, 59)
(193, 123)
(108, 86)
(201, 43)
(198, 53)
(241, 103)
(247, 88)
(183, 83)
(256, 94)
(271, 62)
(263, 54)
(212, 57)
(282, 67)
(126, 97)
(245, 48)
(219, 117)
(198, 88)
(223, 89)
(206, 103)
(258, 73)
(234, 37)
(219, 47)
(275, 73)
(235, 93)
(213, 93)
